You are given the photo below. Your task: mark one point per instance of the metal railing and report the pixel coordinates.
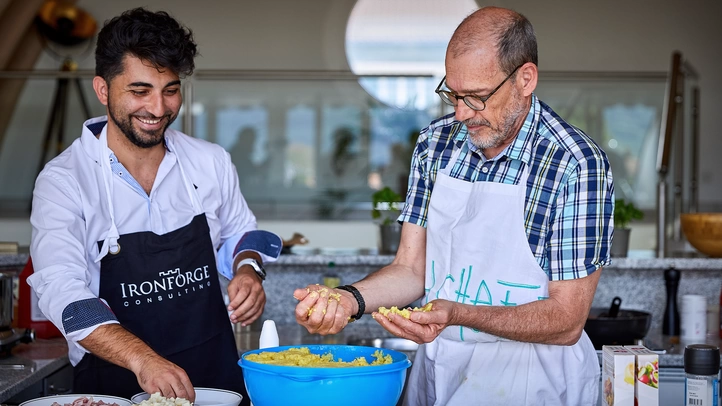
(671, 155)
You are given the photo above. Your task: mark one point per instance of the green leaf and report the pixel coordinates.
(624, 213)
(385, 204)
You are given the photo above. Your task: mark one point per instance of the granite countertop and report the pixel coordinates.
(29, 363)
(16, 260)
(617, 263)
(13, 260)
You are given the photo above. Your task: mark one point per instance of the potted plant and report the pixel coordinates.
(624, 213)
(386, 206)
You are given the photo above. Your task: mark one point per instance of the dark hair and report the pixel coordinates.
(517, 44)
(155, 37)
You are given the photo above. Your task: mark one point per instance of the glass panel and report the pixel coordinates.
(318, 148)
(308, 149)
(25, 136)
(624, 119)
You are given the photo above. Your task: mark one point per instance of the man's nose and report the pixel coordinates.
(462, 111)
(157, 105)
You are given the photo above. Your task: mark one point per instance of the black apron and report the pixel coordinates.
(165, 290)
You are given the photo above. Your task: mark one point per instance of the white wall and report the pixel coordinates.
(610, 35)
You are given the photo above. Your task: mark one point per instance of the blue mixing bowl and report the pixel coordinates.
(378, 385)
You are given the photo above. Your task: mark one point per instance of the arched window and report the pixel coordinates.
(402, 37)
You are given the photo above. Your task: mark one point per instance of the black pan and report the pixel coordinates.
(624, 329)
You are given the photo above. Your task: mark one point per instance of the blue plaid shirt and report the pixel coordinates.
(569, 193)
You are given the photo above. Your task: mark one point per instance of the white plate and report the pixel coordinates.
(63, 399)
(204, 397)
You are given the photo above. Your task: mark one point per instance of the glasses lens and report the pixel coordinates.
(447, 98)
(474, 103)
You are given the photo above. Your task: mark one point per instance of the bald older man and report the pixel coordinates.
(506, 228)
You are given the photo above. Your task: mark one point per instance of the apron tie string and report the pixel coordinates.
(110, 243)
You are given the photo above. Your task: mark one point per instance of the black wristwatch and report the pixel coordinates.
(356, 294)
(255, 265)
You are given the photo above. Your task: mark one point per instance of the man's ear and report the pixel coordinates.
(528, 76)
(101, 89)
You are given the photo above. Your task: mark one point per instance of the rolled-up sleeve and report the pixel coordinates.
(581, 230)
(61, 277)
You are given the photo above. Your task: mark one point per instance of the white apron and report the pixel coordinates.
(477, 253)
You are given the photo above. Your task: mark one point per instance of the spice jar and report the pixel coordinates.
(701, 367)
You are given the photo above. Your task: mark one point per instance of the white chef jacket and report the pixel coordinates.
(70, 215)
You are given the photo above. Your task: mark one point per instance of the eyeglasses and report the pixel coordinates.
(476, 103)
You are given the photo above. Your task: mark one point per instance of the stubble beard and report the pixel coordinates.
(133, 135)
(496, 136)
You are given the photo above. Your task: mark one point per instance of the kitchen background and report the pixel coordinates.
(319, 102)
(277, 85)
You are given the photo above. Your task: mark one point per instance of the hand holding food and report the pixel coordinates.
(157, 374)
(157, 399)
(405, 313)
(420, 325)
(322, 310)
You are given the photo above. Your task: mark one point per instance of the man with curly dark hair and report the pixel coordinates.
(133, 223)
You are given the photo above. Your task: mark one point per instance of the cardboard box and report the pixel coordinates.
(646, 387)
(617, 376)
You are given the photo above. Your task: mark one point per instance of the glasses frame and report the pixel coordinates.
(455, 97)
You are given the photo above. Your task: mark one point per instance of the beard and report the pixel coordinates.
(497, 136)
(140, 138)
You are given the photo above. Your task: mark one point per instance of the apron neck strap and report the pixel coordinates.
(110, 243)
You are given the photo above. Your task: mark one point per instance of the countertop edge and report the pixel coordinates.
(17, 385)
(712, 264)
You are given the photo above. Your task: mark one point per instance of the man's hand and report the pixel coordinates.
(323, 310)
(421, 327)
(157, 374)
(117, 345)
(247, 297)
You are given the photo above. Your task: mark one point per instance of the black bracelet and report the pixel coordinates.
(356, 294)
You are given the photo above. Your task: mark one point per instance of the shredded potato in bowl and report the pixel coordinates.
(302, 357)
(204, 397)
(157, 400)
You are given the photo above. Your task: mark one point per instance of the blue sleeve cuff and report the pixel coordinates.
(86, 313)
(263, 242)
(266, 244)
